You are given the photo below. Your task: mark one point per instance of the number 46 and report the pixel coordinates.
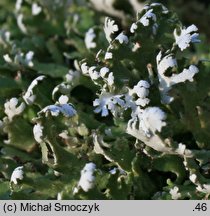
(201, 207)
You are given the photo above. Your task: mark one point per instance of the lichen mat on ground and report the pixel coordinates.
(101, 107)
